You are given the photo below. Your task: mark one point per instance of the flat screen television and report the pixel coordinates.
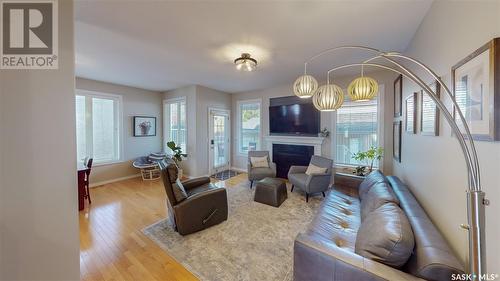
(289, 118)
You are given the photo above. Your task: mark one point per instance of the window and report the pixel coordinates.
(98, 126)
(356, 130)
(248, 125)
(174, 112)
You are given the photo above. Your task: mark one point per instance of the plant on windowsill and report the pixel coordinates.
(369, 156)
(177, 155)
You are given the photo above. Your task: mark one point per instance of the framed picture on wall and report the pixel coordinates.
(411, 114)
(396, 140)
(144, 126)
(398, 96)
(429, 112)
(476, 89)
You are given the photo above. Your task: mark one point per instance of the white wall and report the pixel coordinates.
(434, 166)
(136, 102)
(38, 187)
(207, 98)
(383, 77)
(199, 100)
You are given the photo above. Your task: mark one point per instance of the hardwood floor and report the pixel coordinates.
(112, 246)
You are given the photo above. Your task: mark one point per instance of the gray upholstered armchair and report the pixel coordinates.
(260, 173)
(313, 183)
(195, 204)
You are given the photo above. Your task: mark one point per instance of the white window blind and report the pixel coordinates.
(248, 126)
(98, 127)
(356, 130)
(174, 112)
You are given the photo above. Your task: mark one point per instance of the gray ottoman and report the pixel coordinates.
(270, 191)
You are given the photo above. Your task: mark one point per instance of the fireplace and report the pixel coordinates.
(286, 155)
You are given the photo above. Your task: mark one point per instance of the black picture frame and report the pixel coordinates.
(398, 96)
(142, 130)
(396, 137)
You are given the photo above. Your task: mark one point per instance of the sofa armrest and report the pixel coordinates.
(297, 169)
(201, 210)
(192, 183)
(320, 259)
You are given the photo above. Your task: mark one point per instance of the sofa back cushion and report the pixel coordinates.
(370, 180)
(378, 195)
(385, 236)
(432, 258)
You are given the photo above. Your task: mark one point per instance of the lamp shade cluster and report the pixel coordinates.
(330, 97)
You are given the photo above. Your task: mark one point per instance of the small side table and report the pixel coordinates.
(271, 191)
(348, 180)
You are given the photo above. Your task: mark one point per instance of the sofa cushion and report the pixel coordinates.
(378, 195)
(179, 191)
(370, 180)
(386, 236)
(259, 162)
(313, 169)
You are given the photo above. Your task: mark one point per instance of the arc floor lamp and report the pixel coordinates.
(330, 97)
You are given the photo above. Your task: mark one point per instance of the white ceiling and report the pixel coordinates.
(161, 45)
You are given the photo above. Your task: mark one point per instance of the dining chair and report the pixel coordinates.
(87, 178)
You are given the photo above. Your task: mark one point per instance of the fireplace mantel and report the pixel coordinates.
(295, 140)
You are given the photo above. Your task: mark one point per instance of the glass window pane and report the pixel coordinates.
(81, 143)
(249, 127)
(103, 130)
(175, 117)
(356, 130)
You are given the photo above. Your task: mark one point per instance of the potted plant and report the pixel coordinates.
(369, 156)
(177, 155)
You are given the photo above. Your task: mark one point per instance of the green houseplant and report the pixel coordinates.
(369, 156)
(177, 155)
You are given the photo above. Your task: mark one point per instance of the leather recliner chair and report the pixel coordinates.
(204, 204)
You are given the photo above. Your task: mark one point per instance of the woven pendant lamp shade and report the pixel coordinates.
(305, 86)
(362, 89)
(329, 97)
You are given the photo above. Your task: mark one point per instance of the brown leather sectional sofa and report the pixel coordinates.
(379, 232)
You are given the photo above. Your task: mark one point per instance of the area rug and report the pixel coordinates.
(224, 175)
(255, 243)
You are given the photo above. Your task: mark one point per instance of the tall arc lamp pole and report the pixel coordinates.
(476, 200)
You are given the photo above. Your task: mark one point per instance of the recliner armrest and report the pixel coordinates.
(318, 258)
(192, 183)
(201, 209)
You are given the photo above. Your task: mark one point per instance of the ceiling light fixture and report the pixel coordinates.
(245, 62)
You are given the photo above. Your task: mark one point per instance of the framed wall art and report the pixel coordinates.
(476, 89)
(398, 96)
(411, 114)
(396, 140)
(144, 126)
(429, 112)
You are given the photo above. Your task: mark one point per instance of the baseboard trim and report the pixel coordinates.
(239, 169)
(92, 185)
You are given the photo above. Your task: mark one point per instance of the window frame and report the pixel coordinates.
(166, 125)
(239, 103)
(380, 130)
(88, 122)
